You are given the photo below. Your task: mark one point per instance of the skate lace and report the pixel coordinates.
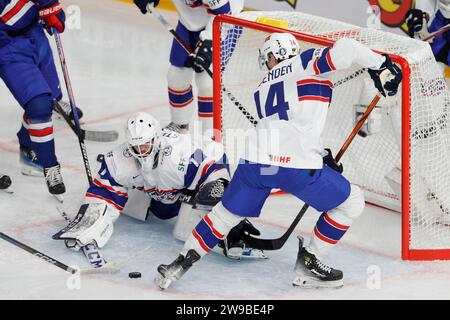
(173, 127)
(323, 266)
(53, 176)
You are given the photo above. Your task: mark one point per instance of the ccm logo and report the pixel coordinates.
(49, 11)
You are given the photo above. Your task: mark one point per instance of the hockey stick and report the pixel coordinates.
(188, 49)
(91, 135)
(38, 254)
(437, 32)
(77, 128)
(275, 244)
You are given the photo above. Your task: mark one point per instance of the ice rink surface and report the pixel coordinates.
(118, 63)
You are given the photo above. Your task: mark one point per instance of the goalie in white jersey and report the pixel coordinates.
(195, 29)
(292, 102)
(182, 176)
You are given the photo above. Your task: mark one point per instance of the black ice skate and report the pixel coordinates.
(312, 273)
(174, 271)
(29, 164)
(54, 181)
(178, 128)
(67, 110)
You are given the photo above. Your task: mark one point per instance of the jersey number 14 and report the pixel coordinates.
(275, 102)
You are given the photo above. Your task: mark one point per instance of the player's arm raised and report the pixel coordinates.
(347, 52)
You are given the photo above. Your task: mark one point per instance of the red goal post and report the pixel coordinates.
(222, 25)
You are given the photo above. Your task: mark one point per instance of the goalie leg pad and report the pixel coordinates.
(187, 219)
(94, 222)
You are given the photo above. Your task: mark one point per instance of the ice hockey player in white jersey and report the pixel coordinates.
(195, 28)
(182, 176)
(292, 102)
(422, 21)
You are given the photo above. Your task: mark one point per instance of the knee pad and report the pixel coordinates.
(39, 109)
(179, 78)
(354, 205)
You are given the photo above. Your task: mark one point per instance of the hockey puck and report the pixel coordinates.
(134, 275)
(5, 182)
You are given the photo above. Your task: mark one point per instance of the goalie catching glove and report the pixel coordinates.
(93, 223)
(387, 78)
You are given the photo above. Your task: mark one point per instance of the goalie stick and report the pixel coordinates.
(38, 254)
(275, 244)
(91, 135)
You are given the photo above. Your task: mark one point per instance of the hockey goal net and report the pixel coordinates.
(405, 166)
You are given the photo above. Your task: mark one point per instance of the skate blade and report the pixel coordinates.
(58, 197)
(162, 282)
(32, 172)
(8, 190)
(249, 253)
(309, 283)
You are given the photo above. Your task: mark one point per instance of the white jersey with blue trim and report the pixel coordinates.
(196, 15)
(292, 103)
(181, 163)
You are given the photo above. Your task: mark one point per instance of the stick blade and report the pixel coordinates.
(101, 136)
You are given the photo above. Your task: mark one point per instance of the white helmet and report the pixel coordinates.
(143, 136)
(282, 45)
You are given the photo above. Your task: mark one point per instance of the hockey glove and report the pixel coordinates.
(328, 159)
(387, 78)
(243, 228)
(203, 56)
(417, 21)
(53, 16)
(142, 4)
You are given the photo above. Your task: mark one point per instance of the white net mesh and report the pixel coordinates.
(373, 162)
